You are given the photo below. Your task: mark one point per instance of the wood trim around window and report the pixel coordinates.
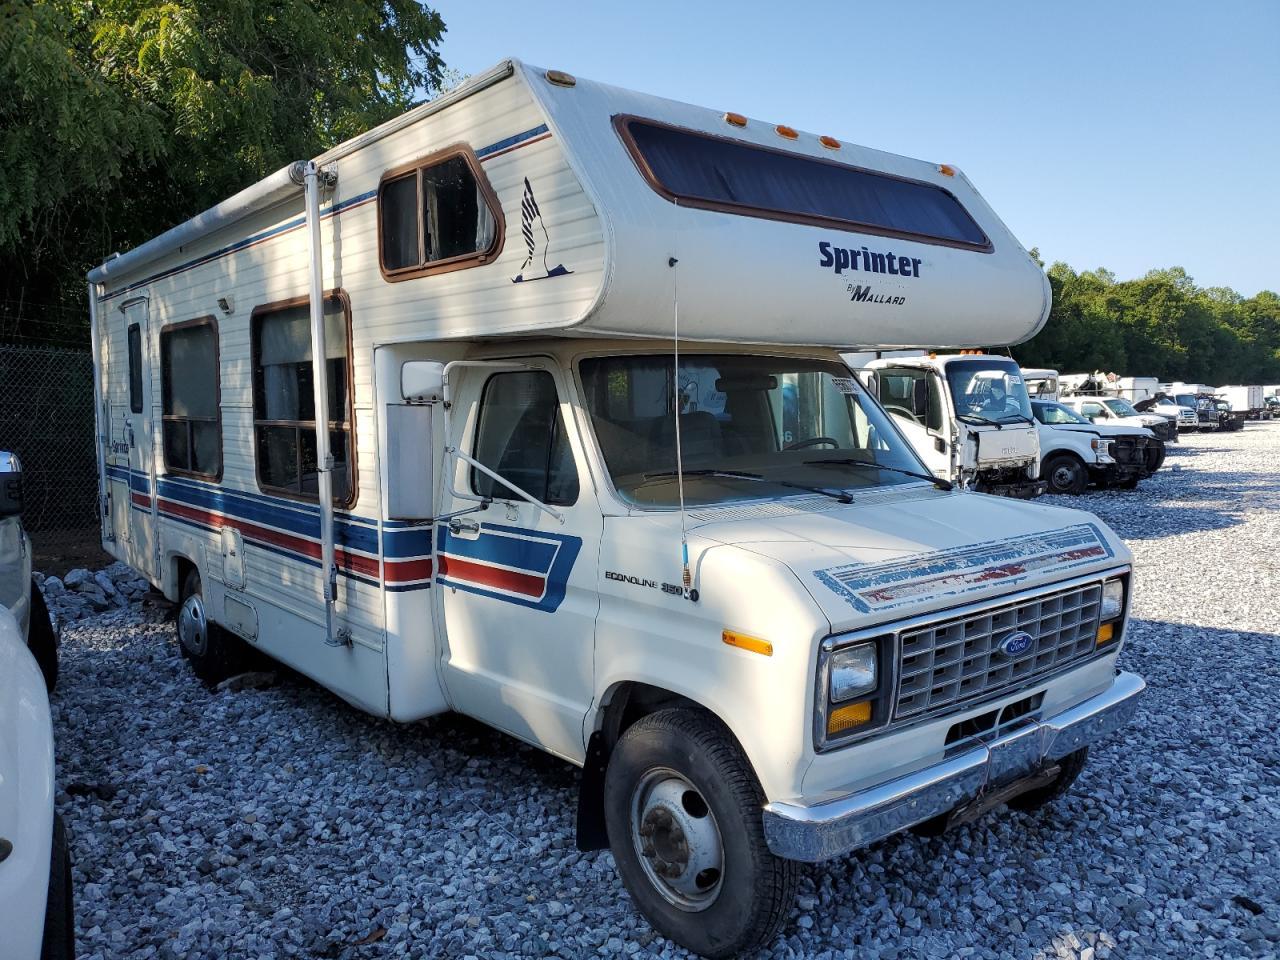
(209, 320)
(622, 124)
(353, 465)
(464, 261)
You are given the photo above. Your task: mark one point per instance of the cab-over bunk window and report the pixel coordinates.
(435, 215)
(189, 386)
(284, 416)
(733, 176)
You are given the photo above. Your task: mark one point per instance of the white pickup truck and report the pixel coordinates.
(968, 416)
(36, 921)
(1075, 452)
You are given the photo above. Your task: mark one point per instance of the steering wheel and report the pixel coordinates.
(812, 442)
(903, 411)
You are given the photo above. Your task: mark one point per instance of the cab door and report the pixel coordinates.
(515, 584)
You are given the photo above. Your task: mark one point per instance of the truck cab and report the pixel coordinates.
(968, 416)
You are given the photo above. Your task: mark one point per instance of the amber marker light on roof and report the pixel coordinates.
(561, 79)
(786, 132)
(744, 641)
(831, 143)
(736, 119)
(946, 169)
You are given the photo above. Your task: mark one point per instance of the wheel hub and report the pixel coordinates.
(193, 627)
(677, 839)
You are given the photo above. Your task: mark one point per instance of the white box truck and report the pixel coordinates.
(589, 468)
(1246, 400)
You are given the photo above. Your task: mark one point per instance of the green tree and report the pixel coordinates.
(122, 118)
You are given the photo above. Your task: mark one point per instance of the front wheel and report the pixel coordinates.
(683, 813)
(59, 941)
(1065, 474)
(42, 639)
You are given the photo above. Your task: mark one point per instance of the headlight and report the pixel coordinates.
(853, 672)
(1112, 600)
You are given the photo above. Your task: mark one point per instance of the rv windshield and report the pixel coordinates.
(751, 427)
(988, 388)
(1121, 407)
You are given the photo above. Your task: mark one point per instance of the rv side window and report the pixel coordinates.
(192, 431)
(135, 368)
(717, 173)
(437, 216)
(284, 424)
(521, 437)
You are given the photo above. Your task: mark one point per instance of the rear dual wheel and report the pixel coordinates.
(214, 653)
(683, 812)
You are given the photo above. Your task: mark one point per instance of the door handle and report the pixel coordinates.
(459, 525)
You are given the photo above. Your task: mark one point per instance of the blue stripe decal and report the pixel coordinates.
(528, 556)
(137, 481)
(511, 141)
(297, 222)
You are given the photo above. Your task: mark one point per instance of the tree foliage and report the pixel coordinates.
(1162, 325)
(121, 118)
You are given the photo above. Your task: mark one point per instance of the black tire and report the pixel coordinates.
(214, 653)
(1065, 473)
(59, 913)
(731, 911)
(1155, 456)
(41, 638)
(1070, 765)
(1128, 483)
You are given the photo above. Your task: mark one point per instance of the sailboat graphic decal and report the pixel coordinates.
(529, 212)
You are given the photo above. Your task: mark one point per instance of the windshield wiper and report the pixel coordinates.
(1015, 417)
(839, 496)
(865, 464)
(973, 417)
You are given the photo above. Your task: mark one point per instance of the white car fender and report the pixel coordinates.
(26, 794)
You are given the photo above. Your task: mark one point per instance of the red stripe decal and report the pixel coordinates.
(141, 500)
(526, 584)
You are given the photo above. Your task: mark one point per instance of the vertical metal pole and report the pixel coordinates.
(320, 381)
(100, 441)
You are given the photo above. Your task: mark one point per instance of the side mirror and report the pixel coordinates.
(422, 381)
(10, 484)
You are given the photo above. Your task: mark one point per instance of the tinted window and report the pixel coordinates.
(1053, 413)
(722, 173)
(284, 416)
(135, 368)
(192, 431)
(521, 437)
(436, 214)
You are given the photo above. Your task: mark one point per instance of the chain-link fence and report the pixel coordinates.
(46, 418)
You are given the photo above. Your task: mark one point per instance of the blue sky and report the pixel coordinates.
(1122, 135)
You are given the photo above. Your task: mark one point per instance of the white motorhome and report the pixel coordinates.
(967, 415)
(707, 568)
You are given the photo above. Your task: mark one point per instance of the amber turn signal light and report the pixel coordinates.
(1105, 633)
(846, 718)
(746, 642)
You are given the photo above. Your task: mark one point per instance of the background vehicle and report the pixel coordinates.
(18, 592)
(968, 417)
(711, 581)
(1244, 400)
(1118, 412)
(1075, 452)
(1184, 417)
(36, 913)
(1042, 384)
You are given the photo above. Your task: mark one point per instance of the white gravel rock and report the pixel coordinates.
(280, 822)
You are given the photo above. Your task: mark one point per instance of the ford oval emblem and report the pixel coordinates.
(1015, 643)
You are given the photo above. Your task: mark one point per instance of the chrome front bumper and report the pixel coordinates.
(832, 828)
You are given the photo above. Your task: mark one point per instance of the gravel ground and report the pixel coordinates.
(278, 821)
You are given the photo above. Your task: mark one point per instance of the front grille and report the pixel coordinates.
(952, 662)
